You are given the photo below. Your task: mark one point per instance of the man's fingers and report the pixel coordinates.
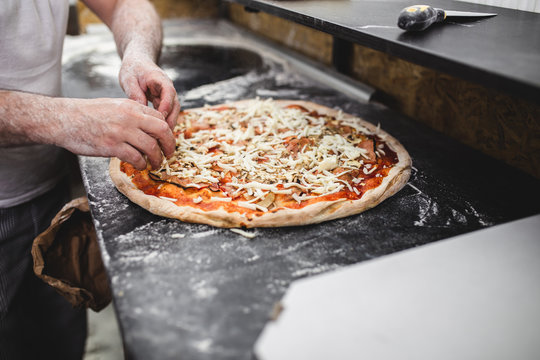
(147, 130)
(152, 112)
(160, 131)
(166, 100)
(173, 116)
(148, 146)
(167, 103)
(131, 155)
(153, 98)
(156, 102)
(162, 93)
(134, 92)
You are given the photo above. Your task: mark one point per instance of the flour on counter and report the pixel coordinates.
(253, 258)
(376, 27)
(151, 257)
(315, 270)
(203, 291)
(293, 248)
(204, 233)
(203, 345)
(434, 213)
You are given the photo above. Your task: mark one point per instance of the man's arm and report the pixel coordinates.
(123, 128)
(137, 31)
(95, 127)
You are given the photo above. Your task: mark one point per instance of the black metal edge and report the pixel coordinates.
(497, 81)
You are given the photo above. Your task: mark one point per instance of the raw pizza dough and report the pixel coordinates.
(191, 200)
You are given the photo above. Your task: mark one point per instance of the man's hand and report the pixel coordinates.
(137, 31)
(142, 81)
(138, 34)
(95, 127)
(114, 127)
(127, 129)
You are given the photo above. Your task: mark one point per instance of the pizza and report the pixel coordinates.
(266, 163)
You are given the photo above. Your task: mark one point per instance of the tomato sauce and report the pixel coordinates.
(385, 160)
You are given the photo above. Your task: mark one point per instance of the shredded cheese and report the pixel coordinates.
(262, 147)
(249, 235)
(197, 200)
(217, 198)
(247, 205)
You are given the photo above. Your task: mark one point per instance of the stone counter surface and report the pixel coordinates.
(194, 291)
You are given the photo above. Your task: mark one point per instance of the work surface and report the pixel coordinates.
(502, 52)
(199, 292)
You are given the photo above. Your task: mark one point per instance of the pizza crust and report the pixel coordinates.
(310, 214)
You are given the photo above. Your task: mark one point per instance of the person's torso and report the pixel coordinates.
(31, 40)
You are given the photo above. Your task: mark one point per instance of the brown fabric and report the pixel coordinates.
(66, 256)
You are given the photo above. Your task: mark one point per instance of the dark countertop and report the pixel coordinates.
(502, 52)
(199, 292)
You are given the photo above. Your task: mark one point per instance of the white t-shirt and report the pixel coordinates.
(31, 40)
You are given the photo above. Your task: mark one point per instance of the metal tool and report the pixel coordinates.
(420, 17)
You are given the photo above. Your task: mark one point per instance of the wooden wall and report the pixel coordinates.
(314, 44)
(166, 9)
(491, 121)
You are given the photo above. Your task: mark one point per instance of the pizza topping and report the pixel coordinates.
(250, 206)
(268, 200)
(369, 150)
(262, 156)
(249, 235)
(197, 200)
(185, 183)
(218, 198)
(168, 198)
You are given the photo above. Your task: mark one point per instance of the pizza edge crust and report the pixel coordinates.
(310, 214)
